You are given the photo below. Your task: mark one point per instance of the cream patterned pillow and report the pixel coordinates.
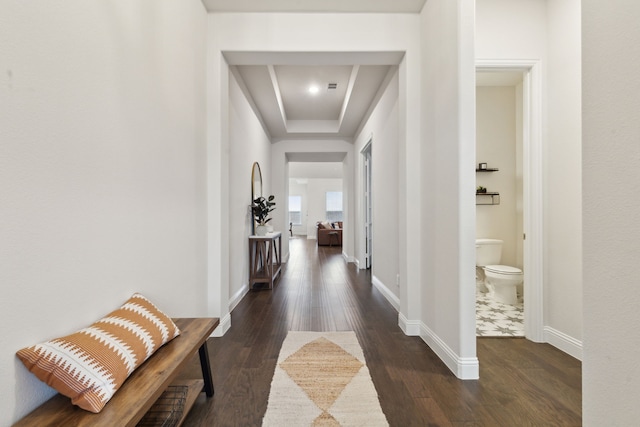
(89, 366)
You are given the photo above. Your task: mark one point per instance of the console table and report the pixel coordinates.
(264, 258)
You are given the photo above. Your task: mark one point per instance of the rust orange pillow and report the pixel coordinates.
(90, 365)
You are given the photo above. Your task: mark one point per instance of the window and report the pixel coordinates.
(334, 206)
(295, 210)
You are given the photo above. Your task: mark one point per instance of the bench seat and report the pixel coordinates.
(143, 387)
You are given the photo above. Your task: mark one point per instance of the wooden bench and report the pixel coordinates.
(143, 388)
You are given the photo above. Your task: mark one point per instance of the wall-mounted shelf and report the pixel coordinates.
(487, 198)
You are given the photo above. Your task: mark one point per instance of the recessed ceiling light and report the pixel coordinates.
(313, 89)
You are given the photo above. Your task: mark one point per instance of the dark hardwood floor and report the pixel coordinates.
(521, 383)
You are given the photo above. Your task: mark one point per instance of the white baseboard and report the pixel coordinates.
(465, 368)
(225, 322)
(411, 328)
(564, 342)
(357, 263)
(390, 296)
(223, 327)
(235, 300)
(349, 259)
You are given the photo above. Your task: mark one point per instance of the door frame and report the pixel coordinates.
(533, 189)
(367, 205)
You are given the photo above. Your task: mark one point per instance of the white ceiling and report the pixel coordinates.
(277, 83)
(353, 6)
(277, 86)
(281, 97)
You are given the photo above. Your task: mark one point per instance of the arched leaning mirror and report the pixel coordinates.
(256, 188)
(256, 182)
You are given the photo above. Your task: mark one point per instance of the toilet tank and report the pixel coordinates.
(488, 251)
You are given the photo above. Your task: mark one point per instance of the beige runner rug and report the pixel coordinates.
(321, 379)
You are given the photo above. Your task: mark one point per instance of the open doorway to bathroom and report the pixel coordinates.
(499, 200)
(509, 157)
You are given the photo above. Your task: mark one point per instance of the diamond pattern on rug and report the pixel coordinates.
(495, 319)
(325, 419)
(323, 379)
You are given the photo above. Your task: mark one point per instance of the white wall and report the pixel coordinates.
(447, 321)
(248, 143)
(549, 31)
(496, 145)
(102, 169)
(382, 129)
(564, 179)
(611, 230)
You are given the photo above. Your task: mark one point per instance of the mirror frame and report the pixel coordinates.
(256, 181)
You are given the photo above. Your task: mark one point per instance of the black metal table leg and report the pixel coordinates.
(206, 369)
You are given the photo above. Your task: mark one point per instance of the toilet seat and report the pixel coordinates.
(503, 269)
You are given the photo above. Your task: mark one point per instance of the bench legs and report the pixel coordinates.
(206, 369)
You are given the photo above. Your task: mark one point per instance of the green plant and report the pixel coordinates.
(481, 189)
(261, 208)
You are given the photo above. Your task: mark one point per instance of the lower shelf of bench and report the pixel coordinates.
(173, 405)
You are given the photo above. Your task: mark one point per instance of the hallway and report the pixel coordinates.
(521, 383)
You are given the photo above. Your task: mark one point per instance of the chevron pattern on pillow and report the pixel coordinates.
(90, 365)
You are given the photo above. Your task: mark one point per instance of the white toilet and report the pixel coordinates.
(500, 280)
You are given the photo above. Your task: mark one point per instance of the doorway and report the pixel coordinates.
(531, 235)
(499, 197)
(368, 206)
(315, 191)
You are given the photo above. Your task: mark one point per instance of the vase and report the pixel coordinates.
(261, 230)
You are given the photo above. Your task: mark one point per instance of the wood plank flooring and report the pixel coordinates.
(521, 383)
